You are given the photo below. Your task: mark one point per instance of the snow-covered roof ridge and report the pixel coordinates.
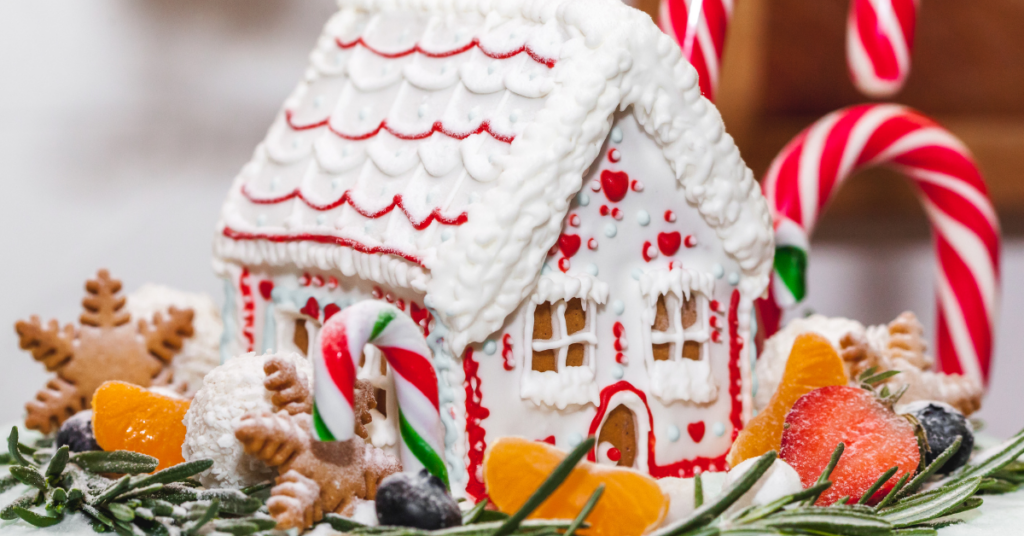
(436, 144)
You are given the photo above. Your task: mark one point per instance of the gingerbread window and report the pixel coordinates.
(295, 332)
(680, 329)
(562, 335)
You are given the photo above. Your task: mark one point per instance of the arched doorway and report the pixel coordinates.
(617, 441)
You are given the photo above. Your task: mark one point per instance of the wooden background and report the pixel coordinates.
(785, 66)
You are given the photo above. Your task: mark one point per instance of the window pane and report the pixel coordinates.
(301, 336)
(662, 352)
(691, 350)
(381, 397)
(543, 330)
(575, 320)
(689, 311)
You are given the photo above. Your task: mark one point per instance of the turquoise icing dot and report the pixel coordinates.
(618, 307)
(718, 270)
(734, 279)
(592, 269)
(575, 439)
(618, 372)
(673, 433)
(583, 199)
(636, 273)
(611, 230)
(718, 429)
(545, 269)
(617, 135)
(643, 217)
(490, 347)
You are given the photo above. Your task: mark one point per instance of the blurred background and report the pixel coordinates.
(123, 123)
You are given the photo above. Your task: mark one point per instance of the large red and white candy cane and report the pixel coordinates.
(879, 36)
(809, 171)
(699, 26)
(401, 342)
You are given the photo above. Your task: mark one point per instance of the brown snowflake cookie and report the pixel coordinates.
(316, 477)
(106, 346)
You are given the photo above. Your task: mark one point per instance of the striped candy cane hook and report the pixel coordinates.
(400, 342)
(879, 37)
(807, 174)
(699, 26)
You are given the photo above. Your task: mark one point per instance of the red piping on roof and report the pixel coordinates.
(549, 62)
(322, 239)
(484, 126)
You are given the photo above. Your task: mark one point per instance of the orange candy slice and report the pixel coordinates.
(813, 363)
(632, 503)
(129, 417)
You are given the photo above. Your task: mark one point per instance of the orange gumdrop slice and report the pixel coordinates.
(632, 503)
(129, 417)
(813, 363)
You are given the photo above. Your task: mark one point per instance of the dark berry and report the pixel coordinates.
(76, 433)
(941, 424)
(419, 501)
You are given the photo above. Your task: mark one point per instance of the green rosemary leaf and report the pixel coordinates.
(756, 513)
(919, 509)
(705, 514)
(141, 492)
(587, 508)
(207, 513)
(866, 496)
(930, 470)
(866, 374)
(75, 495)
(7, 483)
(996, 486)
(529, 526)
(152, 527)
(35, 519)
(916, 531)
(256, 488)
(97, 515)
(894, 492)
(827, 520)
(970, 504)
(57, 463)
(29, 476)
(827, 471)
(698, 491)
(231, 501)
(894, 398)
(118, 461)
(176, 494)
(492, 515)
(473, 513)
(24, 501)
(57, 499)
(158, 507)
(876, 379)
(343, 524)
(843, 501)
(548, 487)
(112, 491)
(120, 511)
(244, 526)
(173, 474)
(1008, 452)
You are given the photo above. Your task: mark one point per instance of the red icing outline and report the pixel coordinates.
(321, 239)
(685, 468)
(347, 198)
(248, 309)
(485, 126)
(506, 352)
(476, 436)
(548, 62)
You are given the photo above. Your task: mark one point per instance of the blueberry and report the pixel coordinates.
(76, 433)
(419, 501)
(941, 424)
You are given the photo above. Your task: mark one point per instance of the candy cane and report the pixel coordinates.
(401, 342)
(808, 172)
(699, 27)
(879, 35)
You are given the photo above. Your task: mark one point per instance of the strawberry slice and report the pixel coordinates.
(876, 439)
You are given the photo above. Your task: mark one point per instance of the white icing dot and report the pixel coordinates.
(446, 235)
(422, 110)
(718, 271)
(592, 269)
(335, 183)
(318, 101)
(643, 217)
(514, 116)
(734, 279)
(595, 185)
(611, 230)
(616, 134)
(492, 67)
(718, 429)
(652, 251)
(321, 219)
(575, 439)
(295, 143)
(618, 307)
(261, 220)
(636, 273)
(673, 433)
(274, 183)
(618, 372)
(583, 199)
(363, 113)
(592, 243)
(346, 150)
(473, 113)
(490, 347)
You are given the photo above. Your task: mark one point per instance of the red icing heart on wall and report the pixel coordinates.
(569, 244)
(669, 243)
(696, 431)
(312, 308)
(615, 184)
(266, 287)
(330, 310)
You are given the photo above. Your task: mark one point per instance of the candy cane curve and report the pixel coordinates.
(808, 172)
(879, 37)
(699, 26)
(401, 342)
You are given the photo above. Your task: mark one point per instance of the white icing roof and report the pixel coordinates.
(435, 145)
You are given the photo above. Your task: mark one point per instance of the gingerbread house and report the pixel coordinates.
(541, 186)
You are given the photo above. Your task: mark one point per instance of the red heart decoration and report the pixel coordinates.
(615, 184)
(266, 287)
(696, 431)
(569, 244)
(669, 243)
(330, 310)
(312, 308)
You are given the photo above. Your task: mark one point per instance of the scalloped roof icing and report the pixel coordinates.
(435, 145)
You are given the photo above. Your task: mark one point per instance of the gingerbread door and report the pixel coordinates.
(618, 437)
